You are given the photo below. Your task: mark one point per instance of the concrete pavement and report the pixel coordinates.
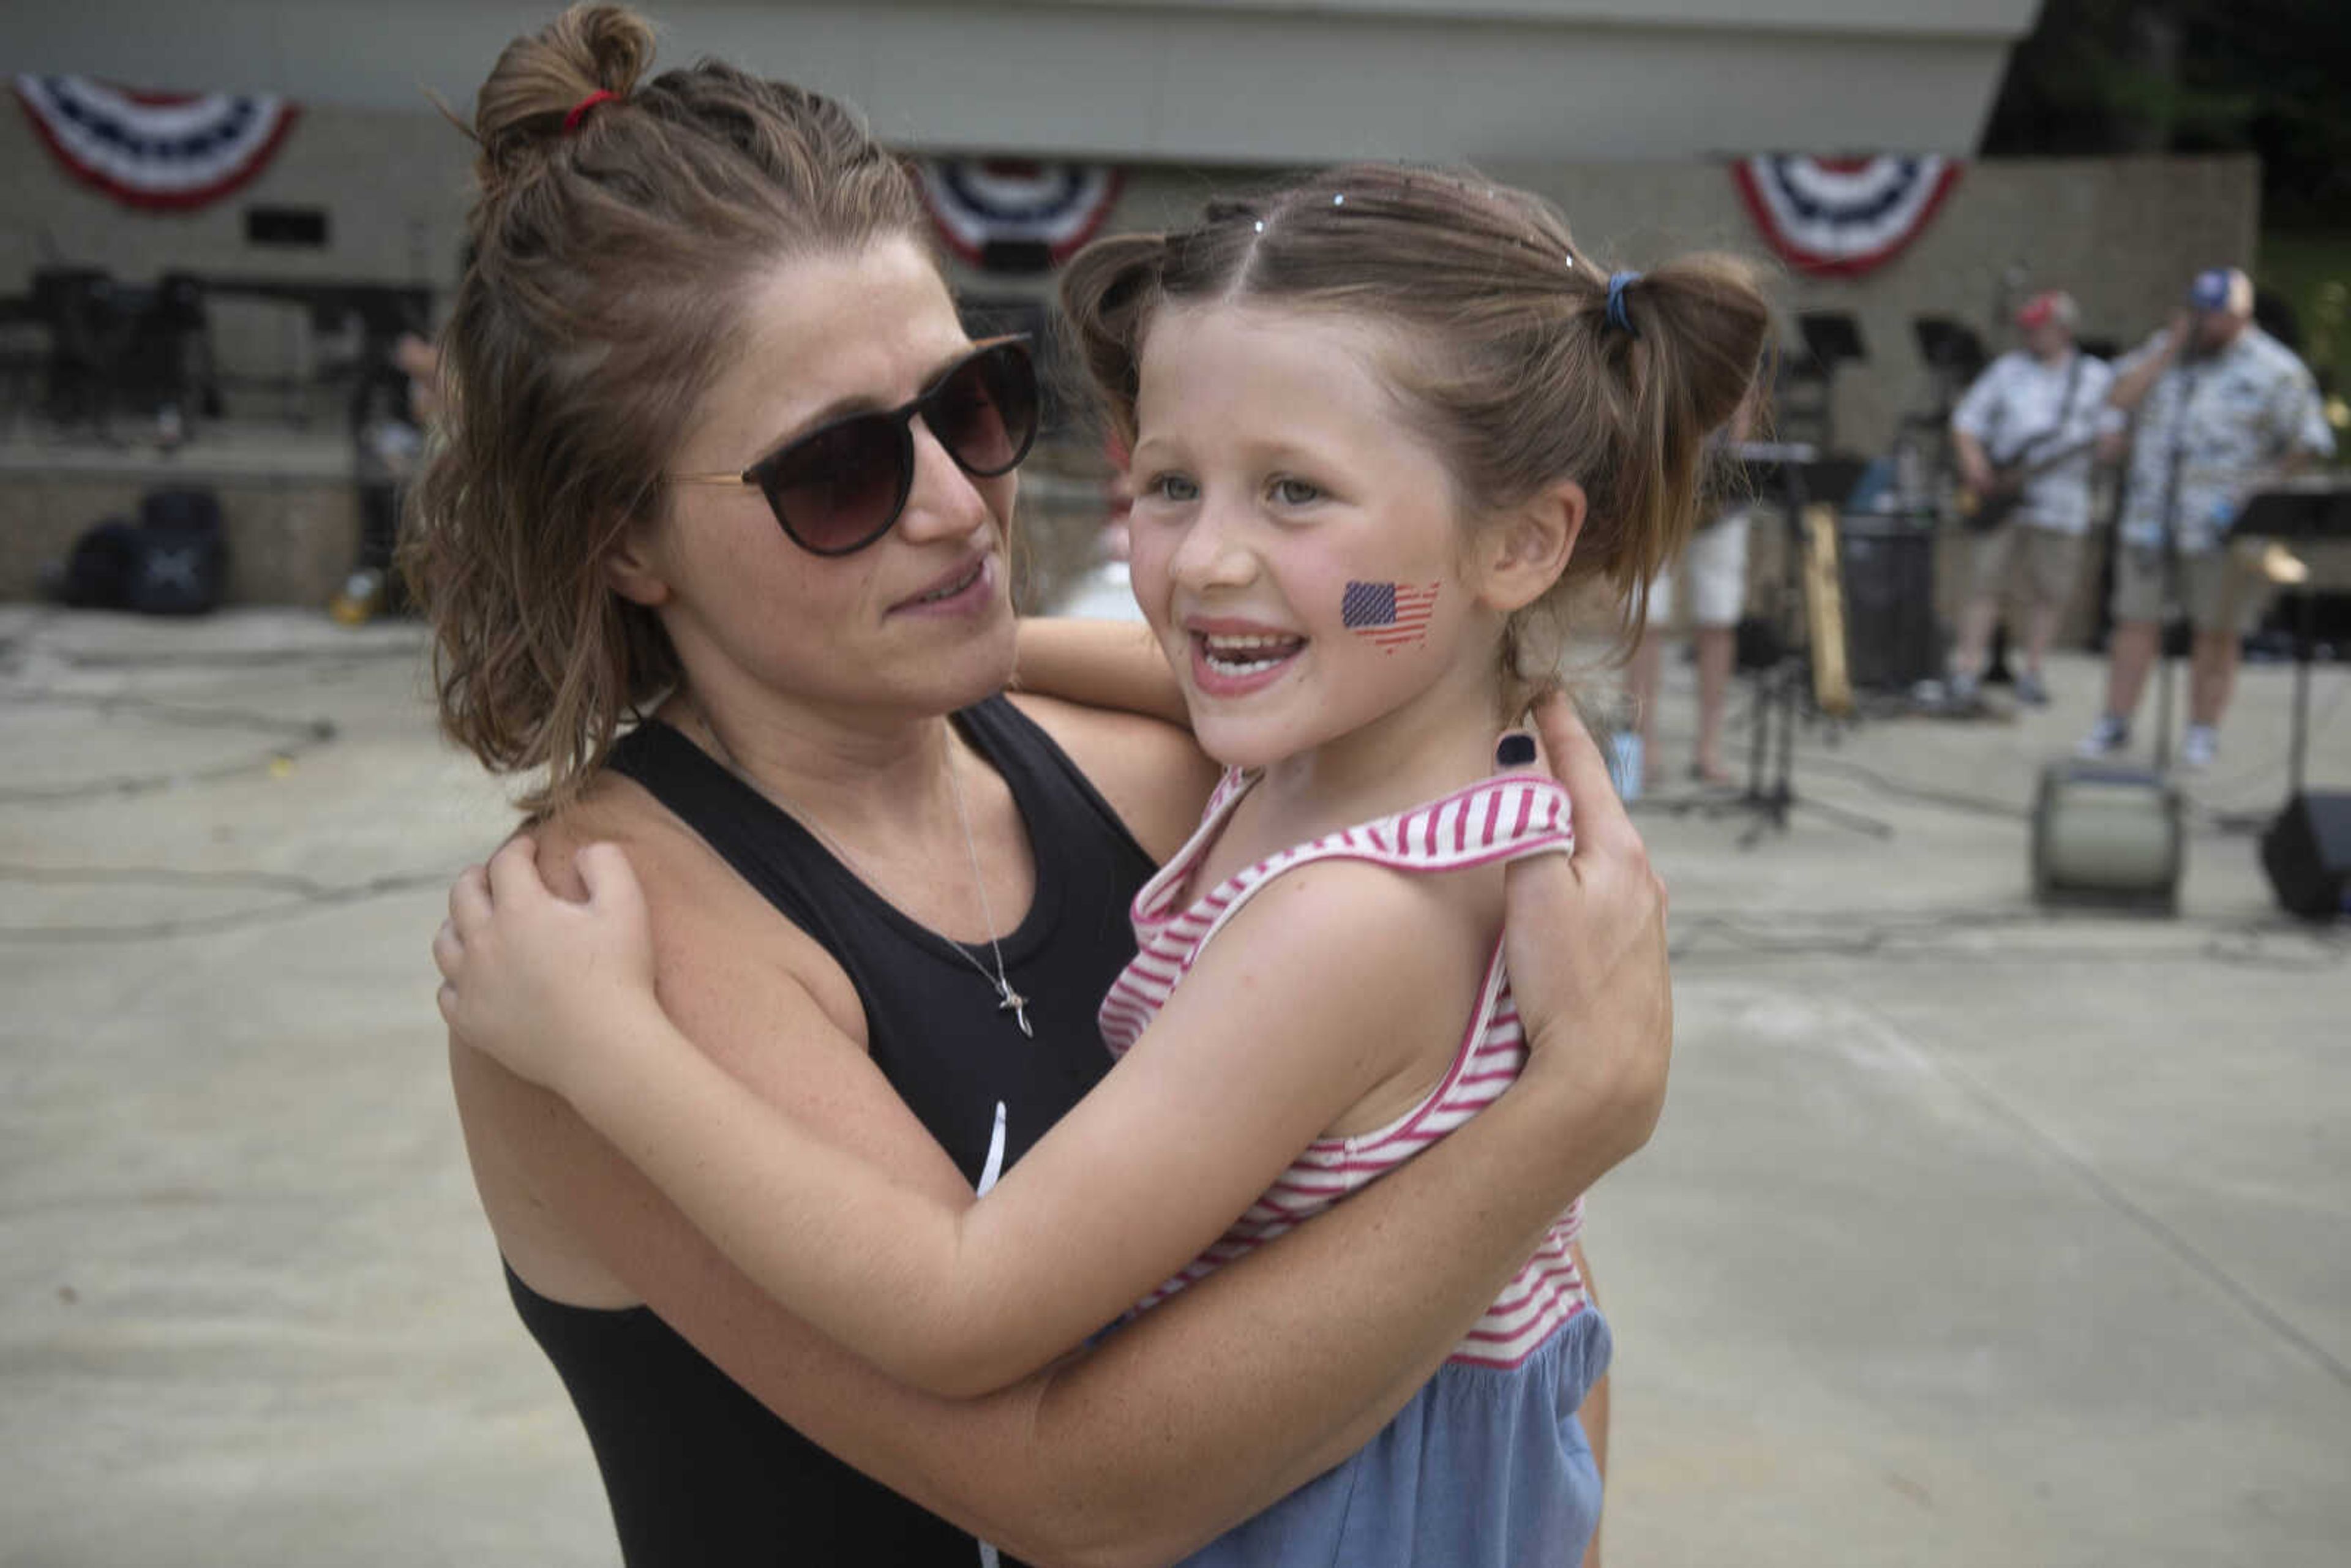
(1968, 1236)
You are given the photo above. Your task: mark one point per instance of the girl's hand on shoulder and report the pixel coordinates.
(537, 981)
(1586, 942)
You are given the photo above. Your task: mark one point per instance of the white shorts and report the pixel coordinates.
(1716, 565)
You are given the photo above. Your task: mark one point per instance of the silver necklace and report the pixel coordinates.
(1008, 999)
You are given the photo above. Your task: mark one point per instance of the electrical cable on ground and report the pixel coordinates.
(296, 738)
(301, 894)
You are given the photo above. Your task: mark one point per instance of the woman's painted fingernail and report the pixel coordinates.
(1517, 749)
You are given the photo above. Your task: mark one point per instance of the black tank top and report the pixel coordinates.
(698, 1471)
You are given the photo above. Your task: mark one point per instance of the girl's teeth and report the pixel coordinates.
(1247, 653)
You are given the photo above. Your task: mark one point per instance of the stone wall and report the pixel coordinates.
(290, 511)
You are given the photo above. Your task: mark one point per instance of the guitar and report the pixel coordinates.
(1985, 510)
(1824, 611)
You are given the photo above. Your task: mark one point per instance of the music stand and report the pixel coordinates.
(1805, 396)
(1830, 338)
(2298, 509)
(1948, 345)
(1799, 472)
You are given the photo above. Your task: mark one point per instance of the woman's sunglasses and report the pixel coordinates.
(841, 487)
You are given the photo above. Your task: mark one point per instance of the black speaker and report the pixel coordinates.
(2307, 852)
(1891, 641)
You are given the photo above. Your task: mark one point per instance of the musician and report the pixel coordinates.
(2024, 433)
(2221, 407)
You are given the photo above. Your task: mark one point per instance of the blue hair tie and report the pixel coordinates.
(1617, 283)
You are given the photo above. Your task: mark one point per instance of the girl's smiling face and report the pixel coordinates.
(1274, 467)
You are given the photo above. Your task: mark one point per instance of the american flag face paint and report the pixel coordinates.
(1389, 615)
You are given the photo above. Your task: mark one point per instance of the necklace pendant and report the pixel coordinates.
(1016, 1004)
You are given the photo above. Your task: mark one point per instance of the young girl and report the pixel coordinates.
(1382, 423)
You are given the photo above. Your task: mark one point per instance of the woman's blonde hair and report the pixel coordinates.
(1512, 361)
(614, 244)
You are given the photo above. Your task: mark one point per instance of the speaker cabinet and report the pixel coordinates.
(1891, 640)
(2109, 834)
(2307, 852)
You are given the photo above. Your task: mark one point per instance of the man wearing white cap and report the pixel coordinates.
(2221, 408)
(2024, 433)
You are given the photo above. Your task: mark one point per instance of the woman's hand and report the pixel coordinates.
(537, 981)
(1586, 942)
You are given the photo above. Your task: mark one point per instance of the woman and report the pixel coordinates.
(716, 445)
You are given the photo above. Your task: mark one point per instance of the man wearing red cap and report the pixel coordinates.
(2024, 432)
(2221, 408)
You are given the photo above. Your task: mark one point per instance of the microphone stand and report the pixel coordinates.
(2172, 601)
(1771, 794)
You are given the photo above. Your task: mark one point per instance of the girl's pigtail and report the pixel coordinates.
(1106, 292)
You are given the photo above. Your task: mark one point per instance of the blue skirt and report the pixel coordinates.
(1484, 1468)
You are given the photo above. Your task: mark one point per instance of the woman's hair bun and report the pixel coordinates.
(542, 78)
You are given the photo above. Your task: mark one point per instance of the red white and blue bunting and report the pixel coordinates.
(158, 150)
(1841, 217)
(1001, 205)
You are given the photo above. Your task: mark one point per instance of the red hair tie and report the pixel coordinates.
(579, 109)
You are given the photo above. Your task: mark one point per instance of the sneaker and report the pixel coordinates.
(2199, 746)
(1961, 691)
(2106, 737)
(2030, 691)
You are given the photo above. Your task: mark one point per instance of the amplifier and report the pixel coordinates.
(2307, 852)
(1891, 640)
(2108, 834)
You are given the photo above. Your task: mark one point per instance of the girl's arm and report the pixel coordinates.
(1199, 1415)
(1332, 982)
(1216, 1405)
(1116, 664)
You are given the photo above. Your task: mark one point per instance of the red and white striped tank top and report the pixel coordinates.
(1496, 821)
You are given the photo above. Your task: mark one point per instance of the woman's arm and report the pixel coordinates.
(1335, 979)
(1116, 664)
(1238, 1390)
(1200, 1414)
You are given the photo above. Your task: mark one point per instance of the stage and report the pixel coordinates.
(288, 500)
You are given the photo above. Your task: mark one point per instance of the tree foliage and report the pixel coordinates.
(2266, 77)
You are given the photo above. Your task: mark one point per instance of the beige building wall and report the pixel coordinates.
(2123, 234)
(1244, 82)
